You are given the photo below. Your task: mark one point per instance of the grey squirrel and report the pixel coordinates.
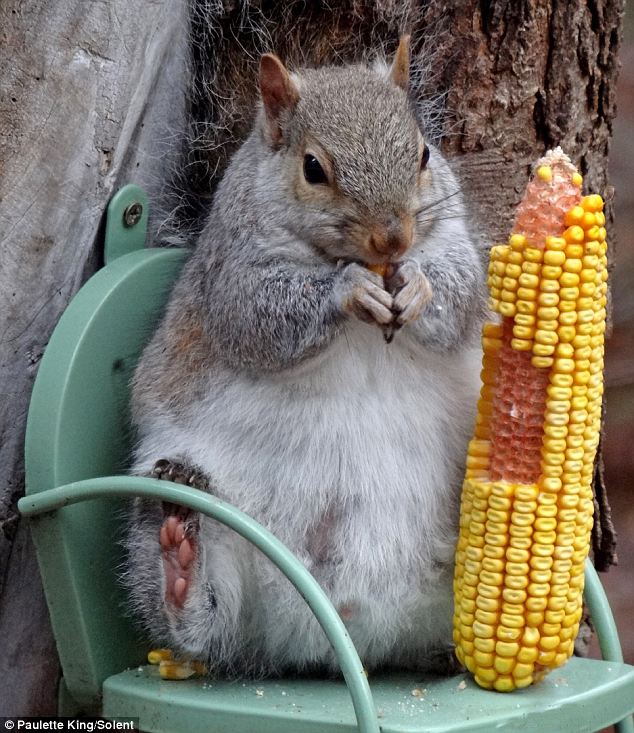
(269, 383)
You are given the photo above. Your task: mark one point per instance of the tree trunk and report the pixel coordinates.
(91, 94)
(88, 101)
(530, 76)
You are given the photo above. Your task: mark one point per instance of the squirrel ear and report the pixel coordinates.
(399, 73)
(279, 93)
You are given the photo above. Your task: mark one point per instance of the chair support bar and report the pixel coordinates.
(199, 501)
(602, 616)
(607, 634)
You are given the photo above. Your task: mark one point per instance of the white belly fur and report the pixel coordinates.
(354, 461)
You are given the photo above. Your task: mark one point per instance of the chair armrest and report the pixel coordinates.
(199, 501)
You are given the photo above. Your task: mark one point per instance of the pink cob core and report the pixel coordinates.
(520, 398)
(542, 210)
(517, 422)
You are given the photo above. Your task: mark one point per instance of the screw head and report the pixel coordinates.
(132, 214)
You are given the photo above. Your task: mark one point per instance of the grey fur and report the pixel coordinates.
(227, 40)
(269, 372)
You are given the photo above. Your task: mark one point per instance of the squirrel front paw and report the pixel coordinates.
(361, 293)
(411, 291)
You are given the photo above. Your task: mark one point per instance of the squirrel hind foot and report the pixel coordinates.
(178, 535)
(179, 552)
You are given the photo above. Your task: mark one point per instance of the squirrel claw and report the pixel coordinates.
(390, 330)
(411, 291)
(180, 473)
(365, 297)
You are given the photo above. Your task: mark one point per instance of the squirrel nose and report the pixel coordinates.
(393, 239)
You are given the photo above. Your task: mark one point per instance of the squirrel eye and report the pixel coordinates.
(313, 172)
(425, 158)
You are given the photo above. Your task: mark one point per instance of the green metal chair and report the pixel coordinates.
(77, 447)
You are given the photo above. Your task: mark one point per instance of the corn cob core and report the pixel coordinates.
(526, 511)
(549, 195)
(517, 416)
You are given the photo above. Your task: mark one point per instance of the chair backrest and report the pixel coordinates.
(78, 428)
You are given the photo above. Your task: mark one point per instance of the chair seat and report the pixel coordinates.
(583, 696)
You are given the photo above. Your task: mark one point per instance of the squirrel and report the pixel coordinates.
(269, 384)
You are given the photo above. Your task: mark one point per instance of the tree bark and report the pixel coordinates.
(89, 95)
(92, 91)
(518, 77)
(523, 77)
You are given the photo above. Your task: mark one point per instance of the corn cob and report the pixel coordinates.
(526, 510)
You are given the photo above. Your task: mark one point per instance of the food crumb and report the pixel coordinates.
(259, 693)
(462, 685)
(417, 692)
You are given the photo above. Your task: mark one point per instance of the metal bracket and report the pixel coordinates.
(126, 222)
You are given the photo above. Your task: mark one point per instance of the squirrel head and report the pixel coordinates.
(350, 155)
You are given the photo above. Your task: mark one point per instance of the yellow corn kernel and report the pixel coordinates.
(379, 268)
(554, 258)
(156, 656)
(492, 330)
(574, 216)
(541, 362)
(504, 665)
(533, 254)
(523, 332)
(483, 678)
(594, 202)
(589, 220)
(548, 300)
(555, 244)
(567, 306)
(574, 234)
(569, 293)
(531, 267)
(549, 286)
(546, 313)
(574, 251)
(545, 173)
(573, 264)
(484, 645)
(528, 280)
(174, 670)
(517, 242)
(569, 280)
